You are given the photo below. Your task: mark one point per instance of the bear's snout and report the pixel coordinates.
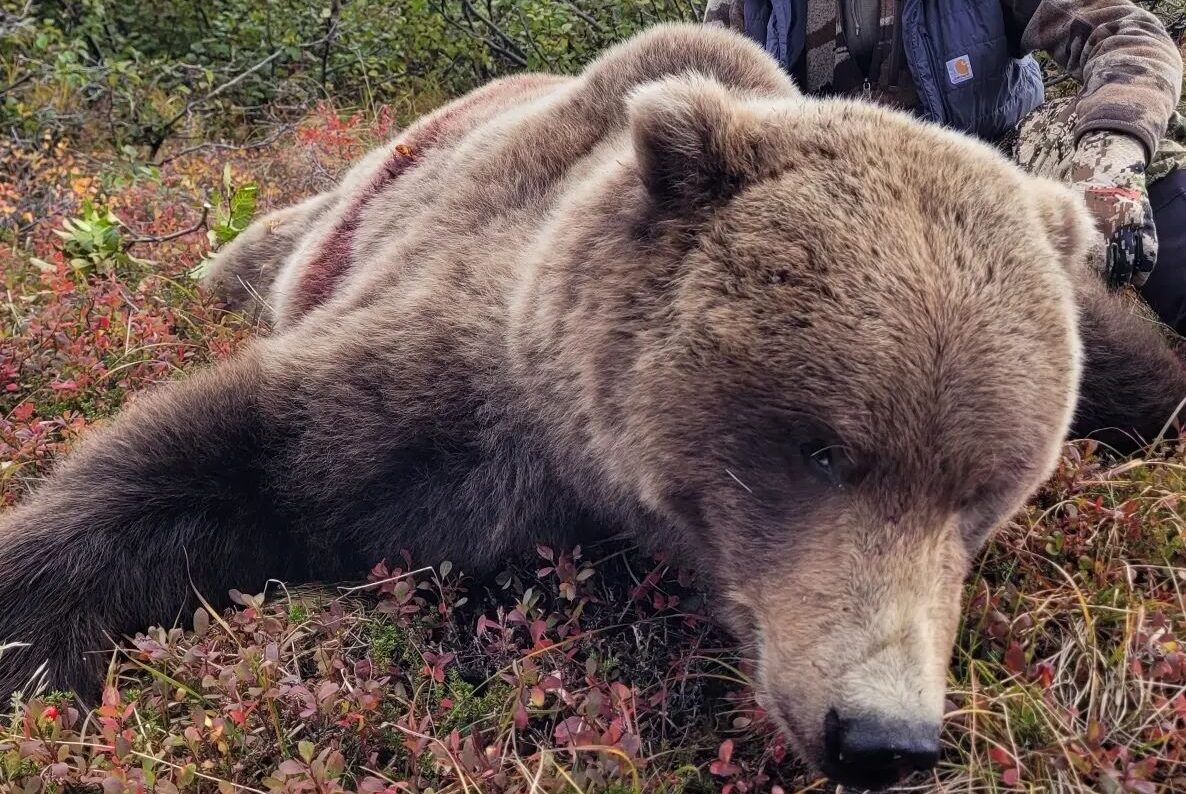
(875, 752)
(869, 729)
(854, 640)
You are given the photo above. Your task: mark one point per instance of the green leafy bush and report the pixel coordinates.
(140, 72)
(93, 242)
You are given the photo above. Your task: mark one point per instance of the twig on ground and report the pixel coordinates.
(18, 82)
(236, 147)
(160, 238)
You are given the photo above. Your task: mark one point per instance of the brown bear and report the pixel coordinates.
(818, 346)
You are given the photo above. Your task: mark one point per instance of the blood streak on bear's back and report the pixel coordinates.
(322, 273)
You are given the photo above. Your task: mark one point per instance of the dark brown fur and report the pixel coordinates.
(638, 301)
(1134, 382)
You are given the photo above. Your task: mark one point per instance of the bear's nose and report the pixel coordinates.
(872, 753)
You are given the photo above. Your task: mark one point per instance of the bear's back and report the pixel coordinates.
(382, 196)
(463, 193)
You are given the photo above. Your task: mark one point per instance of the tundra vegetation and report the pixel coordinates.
(137, 138)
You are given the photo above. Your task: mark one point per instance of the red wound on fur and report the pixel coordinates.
(322, 274)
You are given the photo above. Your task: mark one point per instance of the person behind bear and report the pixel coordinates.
(1119, 141)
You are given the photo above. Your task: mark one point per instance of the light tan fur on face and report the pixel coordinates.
(874, 609)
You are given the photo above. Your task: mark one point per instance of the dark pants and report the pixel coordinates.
(1166, 288)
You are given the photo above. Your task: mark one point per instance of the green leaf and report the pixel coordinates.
(243, 205)
(188, 774)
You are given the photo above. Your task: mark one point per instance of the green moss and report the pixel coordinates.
(59, 698)
(1028, 727)
(469, 707)
(13, 768)
(389, 644)
(620, 788)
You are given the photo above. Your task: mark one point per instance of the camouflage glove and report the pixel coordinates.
(1109, 169)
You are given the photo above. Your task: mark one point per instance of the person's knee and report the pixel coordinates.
(1165, 291)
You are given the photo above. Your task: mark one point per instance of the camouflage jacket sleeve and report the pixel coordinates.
(1129, 67)
(727, 13)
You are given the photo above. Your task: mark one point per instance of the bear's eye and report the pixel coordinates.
(825, 461)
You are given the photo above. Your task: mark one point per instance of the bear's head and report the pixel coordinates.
(867, 362)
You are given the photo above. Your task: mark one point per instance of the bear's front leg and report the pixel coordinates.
(176, 495)
(311, 456)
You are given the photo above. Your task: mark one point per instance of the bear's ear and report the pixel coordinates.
(1066, 220)
(695, 143)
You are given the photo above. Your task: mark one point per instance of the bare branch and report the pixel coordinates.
(152, 238)
(531, 40)
(163, 131)
(18, 82)
(236, 147)
(589, 19)
(510, 43)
